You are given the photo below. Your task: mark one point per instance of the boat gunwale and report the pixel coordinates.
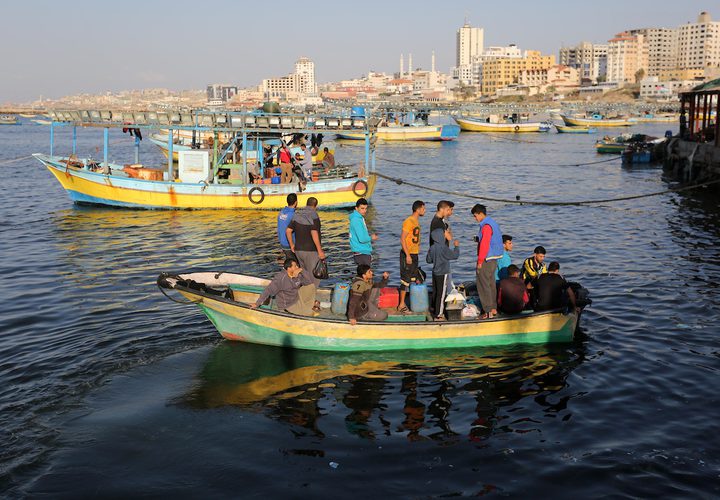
(390, 324)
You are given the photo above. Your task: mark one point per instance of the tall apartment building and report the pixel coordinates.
(499, 73)
(306, 69)
(589, 59)
(699, 44)
(469, 46)
(627, 54)
(662, 46)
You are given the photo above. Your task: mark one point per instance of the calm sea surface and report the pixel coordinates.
(107, 389)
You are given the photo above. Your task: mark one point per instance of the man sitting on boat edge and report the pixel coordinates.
(364, 296)
(294, 291)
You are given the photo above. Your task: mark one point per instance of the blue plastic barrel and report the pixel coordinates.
(357, 112)
(340, 296)
(419, 301)
(275, 180)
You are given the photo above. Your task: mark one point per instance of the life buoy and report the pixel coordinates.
(517, 128)
(250, 196)
(355, 188)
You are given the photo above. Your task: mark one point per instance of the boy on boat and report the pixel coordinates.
(439, 220)
(293, 289)
(283, 221)
(410, 248)
(552, 291)
(440, 256)
(503, 262)
(360, 239)
(533, 268)
(512, 294)
(364, 296)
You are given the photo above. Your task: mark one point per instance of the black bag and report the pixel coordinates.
(420, 276)
(321, 270)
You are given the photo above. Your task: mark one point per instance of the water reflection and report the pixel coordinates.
(438, 395)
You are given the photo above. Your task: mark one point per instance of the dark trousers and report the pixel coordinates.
(485, 280)
(439, 288)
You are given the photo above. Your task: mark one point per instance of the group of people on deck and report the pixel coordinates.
(286, 166)
(501, 286)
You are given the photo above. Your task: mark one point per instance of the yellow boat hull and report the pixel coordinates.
(479, 126)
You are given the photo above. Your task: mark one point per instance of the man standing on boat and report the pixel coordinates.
(490, 249)
(439, 221)
(410, 243)
(307, 162)
(293, 289)
(285, 164)
(305, 226)
(360, 239)
(283, 221)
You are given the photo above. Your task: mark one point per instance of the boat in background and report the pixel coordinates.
(562, 129)
(469, 124)
(226, 297)
(9, 120)
(413, 132)
(595, 120)
(651, 118)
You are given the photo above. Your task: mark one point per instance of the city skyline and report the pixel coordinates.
(84, 47)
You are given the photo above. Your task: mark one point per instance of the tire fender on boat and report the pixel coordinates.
(252, 191)
(517, 128)
(364, 190)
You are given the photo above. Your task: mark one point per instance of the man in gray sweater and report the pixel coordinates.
(293, 289)
(440, 256)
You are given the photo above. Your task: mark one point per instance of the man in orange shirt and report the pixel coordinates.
(410, 243)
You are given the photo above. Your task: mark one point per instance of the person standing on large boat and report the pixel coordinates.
(285, 165)
(293, 289)
(360, 239)
(307, 246)
(490, 249)
(283, 221)
(410, 243)
(307, 162)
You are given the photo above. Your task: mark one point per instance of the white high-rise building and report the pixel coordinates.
(305, 68)
(699, 43)
(470, 45)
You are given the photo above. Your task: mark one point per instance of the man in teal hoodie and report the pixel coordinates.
(360, 239)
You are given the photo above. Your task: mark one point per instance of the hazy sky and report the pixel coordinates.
(55, 48)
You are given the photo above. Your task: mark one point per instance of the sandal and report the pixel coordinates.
(403, 309)
(316, 306)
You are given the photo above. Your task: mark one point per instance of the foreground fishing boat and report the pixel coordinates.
(408, 133)
(595, 121)
(478, 125)
(204, 179)
(225, 299)
(574, 130)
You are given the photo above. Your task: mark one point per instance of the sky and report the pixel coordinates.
(58, 48)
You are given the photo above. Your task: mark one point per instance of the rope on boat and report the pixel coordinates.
(518, 201)
(6, 162)
(184, 302)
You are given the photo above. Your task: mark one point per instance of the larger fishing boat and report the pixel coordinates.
(206, 179)
(447, 132)
(470, 124)
(226, 297)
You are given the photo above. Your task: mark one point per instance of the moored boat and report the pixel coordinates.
(478, 125)
(575, 130)
(595, 121)
(225, 298)
(9, 120)
(447, 132)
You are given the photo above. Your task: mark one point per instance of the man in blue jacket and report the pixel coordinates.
(360, 239)
(283, 221)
